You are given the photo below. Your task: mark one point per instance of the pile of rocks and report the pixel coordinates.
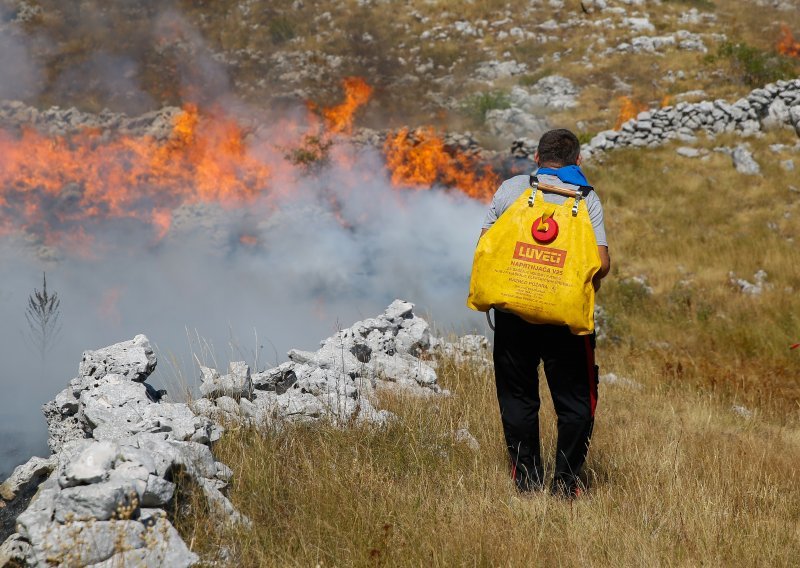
(56, 121)
(528, 107)
(337, 382)
(682, 39)
(777, 104)
(120, 447)
(754, 288)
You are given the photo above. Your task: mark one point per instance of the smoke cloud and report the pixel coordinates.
(20, 77)
(336, 248)
(322, 249)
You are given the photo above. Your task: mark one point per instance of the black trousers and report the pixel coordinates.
(572, 377)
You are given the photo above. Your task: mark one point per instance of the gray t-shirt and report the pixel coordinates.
(512, 188)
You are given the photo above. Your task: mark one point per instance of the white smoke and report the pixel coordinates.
(20, 77)
(317, 266)
(330, 248)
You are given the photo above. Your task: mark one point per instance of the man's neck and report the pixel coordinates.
(553, 165)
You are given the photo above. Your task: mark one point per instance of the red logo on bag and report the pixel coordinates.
(545, 229)
(540, 255)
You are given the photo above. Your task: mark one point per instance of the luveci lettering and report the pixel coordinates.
(540, 255)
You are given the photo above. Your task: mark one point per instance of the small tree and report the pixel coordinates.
(42, 313)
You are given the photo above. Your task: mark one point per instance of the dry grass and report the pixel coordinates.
(383, 42)
(676, 476)
(675, 479)
(685, 224)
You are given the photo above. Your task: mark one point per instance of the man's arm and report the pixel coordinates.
(605, 266)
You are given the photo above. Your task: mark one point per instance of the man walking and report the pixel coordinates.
(568, 359)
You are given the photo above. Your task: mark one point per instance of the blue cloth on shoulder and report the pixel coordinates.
(568, 174)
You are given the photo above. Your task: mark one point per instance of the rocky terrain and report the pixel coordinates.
(655, 89)
(775, 105)
(123, 453)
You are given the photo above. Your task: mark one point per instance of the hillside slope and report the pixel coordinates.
(676, 477)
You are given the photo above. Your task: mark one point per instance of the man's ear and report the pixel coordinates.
(579, 160)
(536, 157)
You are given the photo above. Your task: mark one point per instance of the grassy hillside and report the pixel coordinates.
(675, 478)
(696, 446)
(421, 56)
(677, 475)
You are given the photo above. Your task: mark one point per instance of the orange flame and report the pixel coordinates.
(49, 184)
(248, 240)
(787, 44)
(424, 161)
(57, 187)
(629, 109)
(339, 118)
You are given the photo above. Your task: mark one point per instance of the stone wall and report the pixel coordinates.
(107, 493)
(775, 105)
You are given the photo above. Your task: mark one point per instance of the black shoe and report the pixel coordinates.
(526, 482)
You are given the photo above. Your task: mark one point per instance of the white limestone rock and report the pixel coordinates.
(754, 288)
(398, 310)
(87, 543)
(158, 491)
(744, 162)
(227, 404)
(236, 384)
(132, 359)
(553, 92)
(778, 115)
(15, 551)
(493, 70)
(794, 118)
(465, 437)
(25, 475)
(99, 501)
(278, 379)
(164, 547)
(688, 152)
(514, 122)
(642, 24)
(92, 465)
(615, 380)
(403, 367)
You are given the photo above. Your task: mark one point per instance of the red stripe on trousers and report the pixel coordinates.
(590, 374)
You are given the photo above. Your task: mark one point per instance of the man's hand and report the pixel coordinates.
(605, 266)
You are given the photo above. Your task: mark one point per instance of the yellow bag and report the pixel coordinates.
(537, 261)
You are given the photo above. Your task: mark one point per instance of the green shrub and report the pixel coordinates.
(699, 4)
(755, 67)
(311, 154)
(477, 105)
(281, 29)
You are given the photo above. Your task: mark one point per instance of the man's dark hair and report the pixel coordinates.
(559, 147)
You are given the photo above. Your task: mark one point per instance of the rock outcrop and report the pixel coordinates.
(56, 121)
(336, 382)
(120, 447)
